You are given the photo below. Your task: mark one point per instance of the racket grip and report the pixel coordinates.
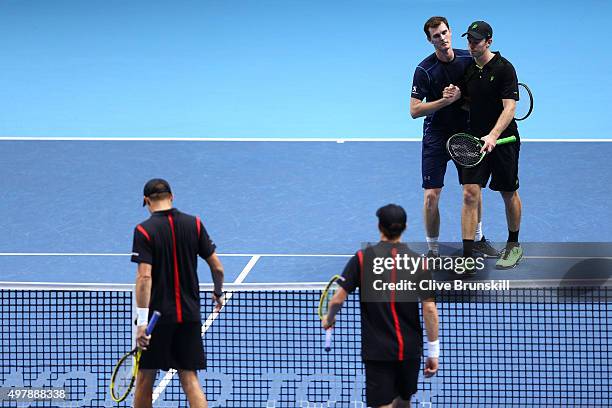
(328, 339)
(510, 139)
(152, 322)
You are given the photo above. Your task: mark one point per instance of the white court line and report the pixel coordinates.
(209, 321)
(130, 254)
(68, 254)
(61, 254)
(263, 139)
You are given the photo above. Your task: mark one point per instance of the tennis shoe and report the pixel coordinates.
(510, 256)
(468, 268)
(484, 248)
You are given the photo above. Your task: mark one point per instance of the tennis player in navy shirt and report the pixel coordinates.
(436, 96)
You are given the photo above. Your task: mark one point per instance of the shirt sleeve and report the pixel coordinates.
(420, 84)
(206, 247)
(142, 250)
(508, 84)
(351, 276)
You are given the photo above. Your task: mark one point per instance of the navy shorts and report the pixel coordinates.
(387, 380)
(501, 165)
(434, 159)
(175, 345)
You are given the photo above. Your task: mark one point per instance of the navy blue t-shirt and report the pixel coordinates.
(430, 78)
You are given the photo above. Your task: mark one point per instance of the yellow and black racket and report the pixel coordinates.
(326, 295)
(124, 373)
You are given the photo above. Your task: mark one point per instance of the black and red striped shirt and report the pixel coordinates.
(390, 330)
(171, 241)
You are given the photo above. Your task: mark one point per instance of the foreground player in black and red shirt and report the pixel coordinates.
(391, 332)
(166, 247)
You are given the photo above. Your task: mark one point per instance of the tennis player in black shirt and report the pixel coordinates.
(391, 332)
(166, 247)
(491, 86)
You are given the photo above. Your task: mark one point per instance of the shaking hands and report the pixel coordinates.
(451, 93)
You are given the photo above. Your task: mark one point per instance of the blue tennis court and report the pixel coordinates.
(286, 216)
(73, 204)
(284, 126)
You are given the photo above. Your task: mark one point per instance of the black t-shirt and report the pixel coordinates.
(390, 330)
(171, 241)
(485, 88)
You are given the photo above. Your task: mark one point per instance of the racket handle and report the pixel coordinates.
(328, 339)
(505, 140)
(152, 322)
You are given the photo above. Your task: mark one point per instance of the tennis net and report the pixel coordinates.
(528, 347)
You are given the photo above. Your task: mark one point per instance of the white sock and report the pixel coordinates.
(432, 244)
(478, 235)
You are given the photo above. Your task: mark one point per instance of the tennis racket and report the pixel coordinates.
(465, 149)
(124, 373)
(326, 295)
(524, 105)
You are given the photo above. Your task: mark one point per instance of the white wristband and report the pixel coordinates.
(142, 316)
(433, 349)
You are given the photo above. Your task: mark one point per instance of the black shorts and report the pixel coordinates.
(501, 165)
(434, 159)
(175, 345)
(386, 380)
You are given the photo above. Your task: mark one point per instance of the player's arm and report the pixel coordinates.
(430, 317)
(335, 304)
(218, 276)
(143, 297)
(418, 108)
(207, 252)
(508, 89)
(504, 118)
(502, 123)
(347, 284)
(421, 91)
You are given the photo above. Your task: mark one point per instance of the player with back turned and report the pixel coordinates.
(391, 332)
(166, 247)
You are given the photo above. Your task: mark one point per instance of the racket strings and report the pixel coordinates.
(522, 106)
(465, 151)
(325, 301)
(525, 103)
(124, 376)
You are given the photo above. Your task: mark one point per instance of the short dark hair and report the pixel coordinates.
(392, 234)
(391, 220)
(433, 22)
(159, 196)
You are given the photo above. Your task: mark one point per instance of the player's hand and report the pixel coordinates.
(142, 340)
(489, 143)
(455, 92)
(451, 93)
(431, 367)
(218, 302)
(326, 323)
(447, 94)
